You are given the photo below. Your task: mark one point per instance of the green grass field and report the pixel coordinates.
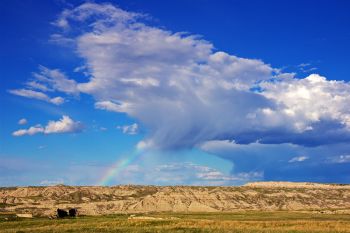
(269, 222)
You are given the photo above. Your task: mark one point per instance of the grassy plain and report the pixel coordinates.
(250, 222)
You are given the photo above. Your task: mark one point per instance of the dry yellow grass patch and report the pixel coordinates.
(250, 222)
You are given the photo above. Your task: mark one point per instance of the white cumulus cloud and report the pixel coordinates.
(22, 121)
(64, 125)
(30, 131)
(186, 93)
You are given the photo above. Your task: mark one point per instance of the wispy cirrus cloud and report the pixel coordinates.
(109, 106)
(45, 82)
(129, 129)
(199, 174)
(339, 159)
(51, 182)
(53, 79)
(298, 159)
(184, 173)
(37, 95)
(306, 67)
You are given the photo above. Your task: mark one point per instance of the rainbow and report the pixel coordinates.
(118, 167)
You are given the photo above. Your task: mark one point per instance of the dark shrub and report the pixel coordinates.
(73, 212)
(61, 213)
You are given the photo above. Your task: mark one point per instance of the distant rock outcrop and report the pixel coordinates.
(94, 200)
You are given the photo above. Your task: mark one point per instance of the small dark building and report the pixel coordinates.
(73, 212)
(61, 213)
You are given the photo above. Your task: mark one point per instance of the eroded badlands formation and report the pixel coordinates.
(95, 200)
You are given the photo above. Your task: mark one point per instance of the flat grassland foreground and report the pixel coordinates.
(249, 221)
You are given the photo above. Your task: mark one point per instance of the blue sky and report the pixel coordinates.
(182, 92)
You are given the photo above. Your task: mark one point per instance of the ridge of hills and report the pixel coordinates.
(102, 200)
